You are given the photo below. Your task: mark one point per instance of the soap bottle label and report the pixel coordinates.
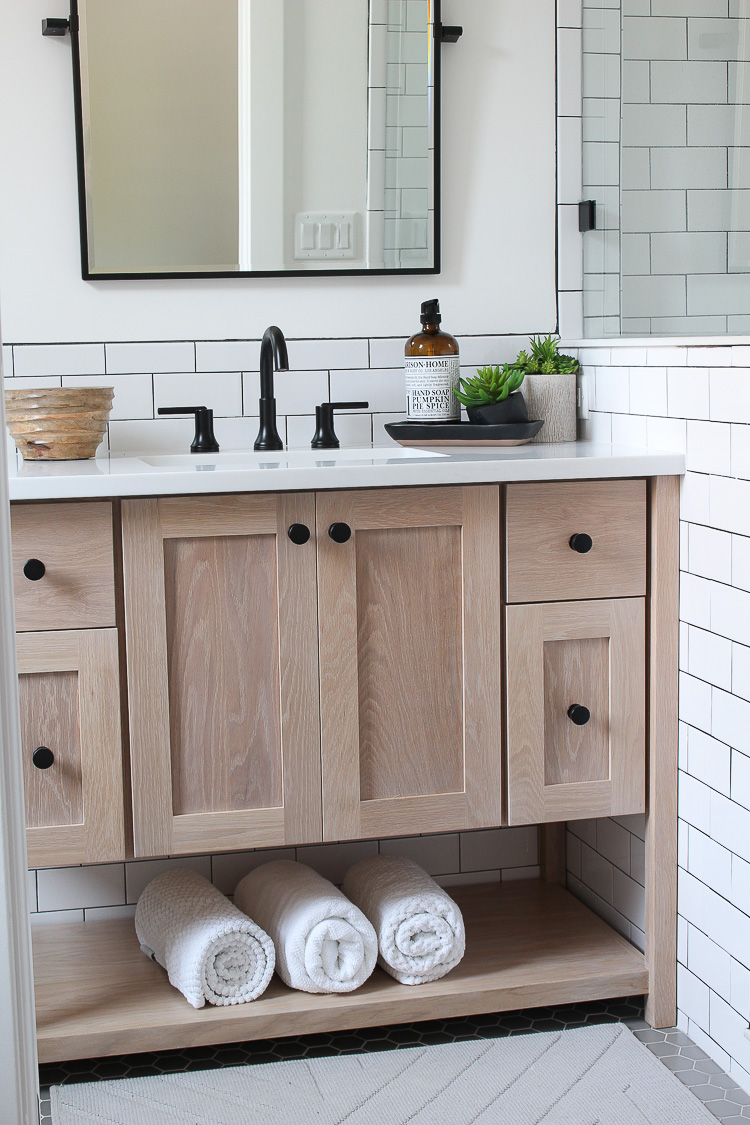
(430, 383)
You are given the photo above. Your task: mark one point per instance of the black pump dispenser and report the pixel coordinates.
(430, 312)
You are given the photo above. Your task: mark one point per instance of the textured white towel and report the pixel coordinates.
(211, 951)
(323, 942)
(420, 929)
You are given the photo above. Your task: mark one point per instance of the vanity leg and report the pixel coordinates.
(661, 816)
(553, 852)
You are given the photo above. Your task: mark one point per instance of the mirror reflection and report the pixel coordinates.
(256, 136)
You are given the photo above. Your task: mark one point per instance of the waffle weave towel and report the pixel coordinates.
(323, 942)
(210, 949)
(420, 929)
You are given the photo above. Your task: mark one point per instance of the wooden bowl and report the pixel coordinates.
(60, 423)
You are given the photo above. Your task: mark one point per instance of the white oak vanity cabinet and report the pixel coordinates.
(312, 667)
(334, 665)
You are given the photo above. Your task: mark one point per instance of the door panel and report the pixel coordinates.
(69, 694)
(409, 610)
(222, 672)
(576, 706)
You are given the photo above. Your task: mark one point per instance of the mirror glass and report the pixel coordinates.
(240, 137)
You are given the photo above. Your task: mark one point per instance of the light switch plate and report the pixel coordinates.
(326, 235)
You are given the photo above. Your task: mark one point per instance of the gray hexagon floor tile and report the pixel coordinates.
(691, 1065)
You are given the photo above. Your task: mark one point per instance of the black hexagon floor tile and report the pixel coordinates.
(688, 1062)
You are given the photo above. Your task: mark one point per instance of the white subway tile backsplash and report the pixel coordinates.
(383, 389)
(710, 862)
(67, 888)
(729, 394)
(708, 447)
(31, 360)
(709, 761)
(730, 504)
(710, 552)
(316, 355)
(499, 848)
(228, 868)
(297, 392)
(695, 600)
(219, 391)
(139, 873)
(334, 860)
(648, 390)
(227, 355)
(438, 855)
(710, 658)
(53, 917)
(687, 392)
(709, 962)
(126, 359)
(134, 394)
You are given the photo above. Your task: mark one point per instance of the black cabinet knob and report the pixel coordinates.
(581, 543)
(340, 532)
(579, 714)
(299, 533)
(34, 569)
(43, 757)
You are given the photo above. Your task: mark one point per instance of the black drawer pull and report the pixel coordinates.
(34, 569)
(340, 532)
(43, 757)
(579, 714)
(581, 543)
(299, 533)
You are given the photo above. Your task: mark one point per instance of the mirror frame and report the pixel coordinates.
(176, 274)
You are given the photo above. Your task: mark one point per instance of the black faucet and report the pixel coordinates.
(273, 357)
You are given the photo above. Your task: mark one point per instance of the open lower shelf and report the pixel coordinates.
(528, 944)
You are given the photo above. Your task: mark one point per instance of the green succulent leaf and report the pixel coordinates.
(489, 385)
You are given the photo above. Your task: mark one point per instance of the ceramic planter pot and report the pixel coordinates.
(553, 398)
(511, 409)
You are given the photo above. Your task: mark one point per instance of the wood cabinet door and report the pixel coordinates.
(576, 710)
(69, 692)
(221, 637)
(410, 658)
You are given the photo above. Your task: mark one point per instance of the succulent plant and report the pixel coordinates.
(490, 384)
(545, 358)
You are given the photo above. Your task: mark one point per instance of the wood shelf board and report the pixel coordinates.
(529, 943)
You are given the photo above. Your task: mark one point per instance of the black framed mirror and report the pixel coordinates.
(257, 138)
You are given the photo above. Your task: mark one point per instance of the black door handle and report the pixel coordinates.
(34, 569)
(579, 714)
(299, 533)
(340, 532)
(43, 757)
(581, 543)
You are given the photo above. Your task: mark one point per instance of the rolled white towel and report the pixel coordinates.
(210, 949)
(420, 929)
(323, 942)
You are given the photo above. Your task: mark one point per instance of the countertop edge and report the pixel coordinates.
(122, 477)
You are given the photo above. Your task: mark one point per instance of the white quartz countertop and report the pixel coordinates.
(296, 470)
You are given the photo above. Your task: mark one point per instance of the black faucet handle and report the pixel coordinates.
(204, 440)
(325, 437)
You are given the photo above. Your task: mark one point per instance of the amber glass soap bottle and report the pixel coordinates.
(431, 369)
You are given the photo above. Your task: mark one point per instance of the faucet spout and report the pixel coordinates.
(273, 357)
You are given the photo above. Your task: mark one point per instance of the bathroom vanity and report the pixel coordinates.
(218, 654)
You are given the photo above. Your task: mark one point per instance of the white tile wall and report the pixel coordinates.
(708, 397)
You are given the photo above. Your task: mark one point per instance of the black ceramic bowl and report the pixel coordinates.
(512, 409)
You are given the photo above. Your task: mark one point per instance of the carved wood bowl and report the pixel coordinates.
(60, 423)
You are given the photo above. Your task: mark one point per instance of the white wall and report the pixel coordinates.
(498, 206)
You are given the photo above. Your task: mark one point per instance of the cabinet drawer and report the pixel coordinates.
(74, 587)
(576, 705)
(548, 555)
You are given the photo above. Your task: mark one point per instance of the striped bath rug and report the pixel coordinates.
(596, 1075)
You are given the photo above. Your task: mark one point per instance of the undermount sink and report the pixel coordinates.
(287, 459)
